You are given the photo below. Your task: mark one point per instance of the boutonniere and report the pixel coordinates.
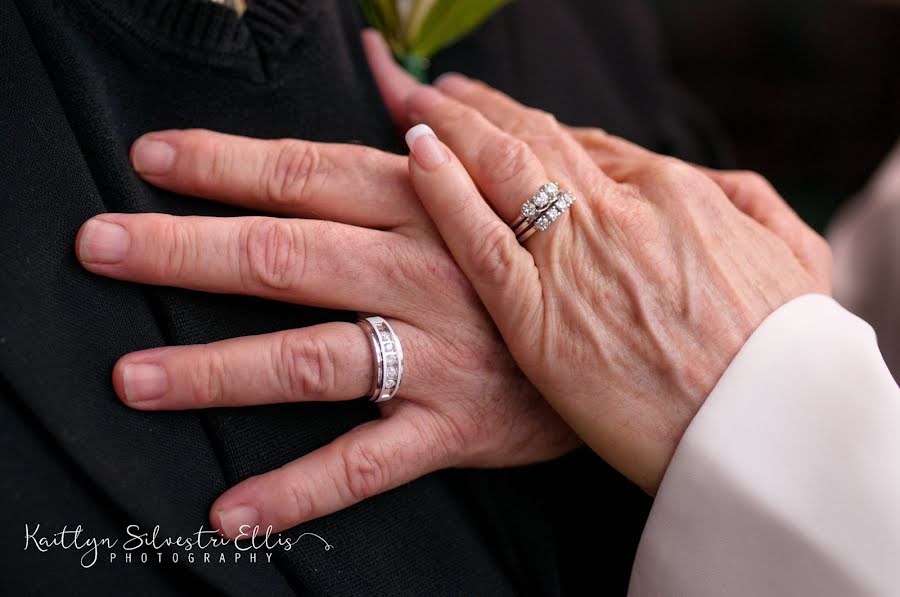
(416, 30)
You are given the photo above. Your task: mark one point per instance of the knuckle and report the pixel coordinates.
(305, 367)
(297, 171)
(302, 501)
(824, 250)
(755, 181)
(669, 181)
(365, 469)
(448, 436)
(542, 121)
(178, 247)
(221, 160)
(505, 160)
(820, 250)
(671, 171)
(592, 138)
(208, 387)
(493, 253)
(455, 114)
(273, 253)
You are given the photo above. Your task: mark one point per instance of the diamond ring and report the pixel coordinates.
(387, 358)
(539, 212)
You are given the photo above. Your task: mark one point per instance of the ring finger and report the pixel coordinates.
(328, 362)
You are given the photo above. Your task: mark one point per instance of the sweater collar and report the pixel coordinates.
(272, 26)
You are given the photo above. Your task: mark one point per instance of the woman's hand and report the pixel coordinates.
(627, 311)
(370, 248)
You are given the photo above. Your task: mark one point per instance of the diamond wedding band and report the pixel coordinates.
(542, 210)
(387, 358)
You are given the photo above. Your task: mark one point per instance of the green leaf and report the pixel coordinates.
(448, 22)
(426, 26)
(382, 15)
(418, 14)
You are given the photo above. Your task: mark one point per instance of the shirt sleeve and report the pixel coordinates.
(787, 482)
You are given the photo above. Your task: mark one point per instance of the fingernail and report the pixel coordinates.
(454, 84)
(152, 157)
(144, 382)
(231, 521)
(425, 147)
(103, 242)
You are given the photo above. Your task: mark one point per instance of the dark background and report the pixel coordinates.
(808, 92)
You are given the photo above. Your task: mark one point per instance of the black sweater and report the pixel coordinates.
(79, 81)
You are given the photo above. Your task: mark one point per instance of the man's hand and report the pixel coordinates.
(364, 244)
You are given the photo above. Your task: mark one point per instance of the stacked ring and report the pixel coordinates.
(387, 358)
(542, 210)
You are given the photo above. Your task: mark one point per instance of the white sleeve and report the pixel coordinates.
(787, 482)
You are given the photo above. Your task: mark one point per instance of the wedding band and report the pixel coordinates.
(387, 358)
(541, 211)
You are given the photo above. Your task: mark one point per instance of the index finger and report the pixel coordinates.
(350, 184)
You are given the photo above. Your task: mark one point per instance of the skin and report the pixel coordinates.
(463, 403)
(351, 220)
(640, 296)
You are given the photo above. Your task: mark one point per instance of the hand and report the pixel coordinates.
(371, 248)
(629, 309)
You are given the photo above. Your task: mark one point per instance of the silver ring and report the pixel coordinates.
(542, 210)
(387, 358)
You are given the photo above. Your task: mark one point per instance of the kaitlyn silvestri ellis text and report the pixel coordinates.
(140, 546)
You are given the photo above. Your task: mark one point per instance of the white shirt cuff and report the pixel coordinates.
(787, 482)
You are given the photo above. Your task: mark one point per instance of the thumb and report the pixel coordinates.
(502, 272)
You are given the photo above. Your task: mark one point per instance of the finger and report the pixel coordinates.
(502, 166)
(352, 184)
(317, 364)
(561, 154)
(500, 163)
(756, 197)
(749, 192)
(394, 83)
(371, 459)
(486, 249)
(499, 108)
(594, 139)
(616, 156)
(314, 263)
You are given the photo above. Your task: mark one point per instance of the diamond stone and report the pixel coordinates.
(569, 198)
(552, 213)
(551, 188)
(391, 372)
(562, 205)
(388, 347)
(390, 383)
(541, 200)
(529, 209)
(385, 336)
(391, 360)
(543, 223)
